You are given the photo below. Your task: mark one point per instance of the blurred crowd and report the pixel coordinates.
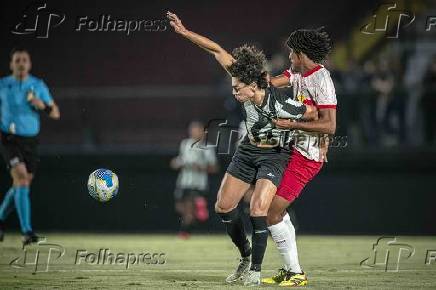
(376, 103)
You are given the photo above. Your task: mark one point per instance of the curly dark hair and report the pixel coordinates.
(249, 66)
(315, 43)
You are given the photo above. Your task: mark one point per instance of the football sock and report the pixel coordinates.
(185, 227)
(236, 231)
(22, 203)
(291, 243)
(8, 204)
(259, 241)
(280, 235)
(292, 216)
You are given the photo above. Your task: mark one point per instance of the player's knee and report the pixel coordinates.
(259, 207)
(273, 218)
(29, 178)
(223, 206)
(21, 177)
(21, 181)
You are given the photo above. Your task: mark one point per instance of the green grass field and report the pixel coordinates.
(204, 261)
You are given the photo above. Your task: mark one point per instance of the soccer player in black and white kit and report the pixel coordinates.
(194, 163)
(262, 156)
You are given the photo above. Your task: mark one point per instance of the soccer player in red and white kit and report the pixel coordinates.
(312, 85)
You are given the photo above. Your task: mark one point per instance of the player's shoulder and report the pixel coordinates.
(6, 79)
(325, 73)
(322, 78)
(319, 72)
(277, 93)
(36, 81)
(188, 142)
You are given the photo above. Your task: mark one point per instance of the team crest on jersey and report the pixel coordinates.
(301, 98)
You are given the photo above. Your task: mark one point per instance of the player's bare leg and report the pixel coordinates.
(260, 202)
(230, 193)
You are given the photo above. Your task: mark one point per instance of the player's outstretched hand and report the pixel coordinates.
(176, 23)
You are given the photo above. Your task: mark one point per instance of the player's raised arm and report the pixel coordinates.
(221, 55)
(279, 81)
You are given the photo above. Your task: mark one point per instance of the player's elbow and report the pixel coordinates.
(331, 128)
(311, 113)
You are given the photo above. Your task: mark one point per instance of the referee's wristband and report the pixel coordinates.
(48, 109)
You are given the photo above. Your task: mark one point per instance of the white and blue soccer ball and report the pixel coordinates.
(103, 185)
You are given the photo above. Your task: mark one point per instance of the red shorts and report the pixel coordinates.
(298, 173)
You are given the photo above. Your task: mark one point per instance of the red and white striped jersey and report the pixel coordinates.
(316, 88)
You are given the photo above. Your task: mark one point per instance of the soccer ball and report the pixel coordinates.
(103, 184)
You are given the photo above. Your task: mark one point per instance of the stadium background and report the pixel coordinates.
(126, 102)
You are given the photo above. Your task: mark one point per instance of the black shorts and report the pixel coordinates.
(16, 149)
(250, 163)
(187, 193)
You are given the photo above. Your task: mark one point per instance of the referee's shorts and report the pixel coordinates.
(19, 149)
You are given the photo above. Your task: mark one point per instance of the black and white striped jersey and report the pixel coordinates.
(191, 156)
(258, 119)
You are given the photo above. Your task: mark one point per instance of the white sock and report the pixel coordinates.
(294, 265)
(280, 235)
